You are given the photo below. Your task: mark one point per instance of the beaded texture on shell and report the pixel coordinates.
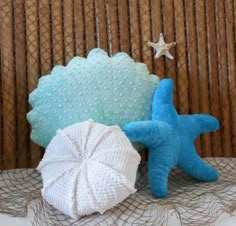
(111, 90)
(88, 167)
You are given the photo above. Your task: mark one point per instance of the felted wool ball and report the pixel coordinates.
(88, 167)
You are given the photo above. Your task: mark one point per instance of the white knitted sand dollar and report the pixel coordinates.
(88, 167)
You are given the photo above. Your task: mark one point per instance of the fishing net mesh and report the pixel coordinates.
(35, 35)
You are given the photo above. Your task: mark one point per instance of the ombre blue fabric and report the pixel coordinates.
(110, 90)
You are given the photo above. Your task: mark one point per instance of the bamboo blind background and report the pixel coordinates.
(37, 34)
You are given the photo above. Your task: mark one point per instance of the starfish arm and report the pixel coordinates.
(169, 45)
(152, 44)
(161, 39)
(191, 163)
(207, 123)
(149, 133)
(158, 54)
(164, 92)
(162, 106)
(168, 55)
(159, 167)
(199, 123)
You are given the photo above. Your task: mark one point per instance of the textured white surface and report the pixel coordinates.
(88, 167)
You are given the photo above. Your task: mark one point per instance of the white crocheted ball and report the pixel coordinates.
(88, 167)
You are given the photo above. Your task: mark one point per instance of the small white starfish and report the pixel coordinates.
(162, 48)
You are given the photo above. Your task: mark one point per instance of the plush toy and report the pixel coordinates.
(170, 139)
(88, 167)
(110, 90)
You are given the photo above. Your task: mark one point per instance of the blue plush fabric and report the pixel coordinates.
(110, 90)
(170, 139)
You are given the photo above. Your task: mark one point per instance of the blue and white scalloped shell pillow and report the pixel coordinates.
(110, 90)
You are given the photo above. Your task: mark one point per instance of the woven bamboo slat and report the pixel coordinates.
(57, 32)
(134, 30)
(79, 28)
(123, 26)
(222, 68)
(32, 55)
(213, 74)
(145, 25)
(101, 24)
(181, 67)
(231, 64)
(169, 32)
(68, 29)
(8, 85)
(157, 28)
(45, 43)
(90, 31)
(112, 20)
(37, 34)
(234, 7)
(22, 134)
(45, 36)
(202, 69)
(1, 107)
(192, 62)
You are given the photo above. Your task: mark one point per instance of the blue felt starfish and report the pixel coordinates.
(170, 139)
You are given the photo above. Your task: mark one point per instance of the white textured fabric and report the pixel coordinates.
(88, 167)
